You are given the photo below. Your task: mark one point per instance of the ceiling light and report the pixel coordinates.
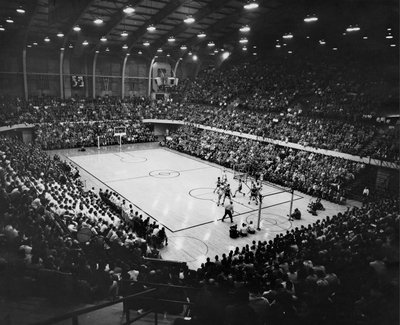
(124, 33)
(85, 43)
(211, 44)
(190, 53)
(107, 49)
(255, 53)
(76, 28)
(127, 54)
(34, 43)
(284, 44)
(225, 55)
(62, 49)
(195, 57)
(151, 28)
(352, 28)
(125, 47)
(168, 55)
(335, 48)
(392, 45)
(201, 35)
(251, 5)
(245, 29)
(29, 45)
(71, 46)
(146, 43)
(322, 42)
(365, 37)
(20, 10)
(216, 51)
(189, 19)
(243, 41)
(244, 48)
(288, 36)
(171, 39)
(46, 39)
(140, 52)
(128, 10)
(183, 47)
(310, 19)
(289, 52)
(97, 51)
(389, 36)
(60, 34)
(98, 21)
(2, 29)
(159, 50)
(278, 46)
(9, 20)
(103, 39)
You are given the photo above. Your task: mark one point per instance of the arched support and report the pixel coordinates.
(24, 73)
(150, 78)
(62, 73)
(176, 67)
(94, 75)
(123, 76)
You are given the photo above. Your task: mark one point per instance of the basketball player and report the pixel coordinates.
(227, 193)
(253, 193)
(224, 177)
(239, 189)
(218, 184)
(220, 192)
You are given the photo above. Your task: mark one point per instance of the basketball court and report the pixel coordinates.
(176, 190)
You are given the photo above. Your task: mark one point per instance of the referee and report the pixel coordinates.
(228, 211)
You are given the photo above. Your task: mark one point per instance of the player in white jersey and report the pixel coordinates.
(239, 189)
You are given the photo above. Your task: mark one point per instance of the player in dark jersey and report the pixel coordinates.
(227, 193)
(253, 193)
(239, 189)
(218, 184)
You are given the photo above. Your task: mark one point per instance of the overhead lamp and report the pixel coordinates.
(284, 44)
(20, 10)
(334, 48)
(107, 49)
(140, 52)
(216, 51)
(29, 45)
(159, 50)
(171, 39)
(9, 20)
(127, 54)
(124, 33)
(46, 39)
(194, 57)
(98, 21)
(2, 29)
(71, 46)
(365, 37)
(244, 48)
(310, 19)
(183, 47)
(278, 46)
(85, 43)
(190, 53)
(125, 47)
(289, 52)
(201, 35)
(103, 39)
(392, 45)
(97, 51)
(128, 10)
(211, 44)
(307, 37)
(189, 19)
(60, 34)
(352, 28)
(322, 42)
(62, 49)
(389, 36)
(225, 55)
(146, 43)
(388, 29)
(168, 55)
(151, 28)
(34, 43)
(288, 36)
(245, 29)
(254, 53)
(251, 4)
(76, 28)
(243, 41)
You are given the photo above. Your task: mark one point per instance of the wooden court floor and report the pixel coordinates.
(176, 190)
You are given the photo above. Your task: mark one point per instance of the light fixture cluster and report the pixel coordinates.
(251, 4)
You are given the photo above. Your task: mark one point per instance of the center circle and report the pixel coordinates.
(164, 173)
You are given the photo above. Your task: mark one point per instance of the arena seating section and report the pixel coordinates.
(340, 270)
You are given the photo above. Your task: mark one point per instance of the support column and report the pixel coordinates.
(87, 78)
(123, 76)
(150, 78)
(61, 73)
(94, 75)
(24, 73)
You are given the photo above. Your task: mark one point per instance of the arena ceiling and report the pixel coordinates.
(50, 24)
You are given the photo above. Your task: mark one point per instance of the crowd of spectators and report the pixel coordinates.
(314, 174)
(339, 270)
(43, 209)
